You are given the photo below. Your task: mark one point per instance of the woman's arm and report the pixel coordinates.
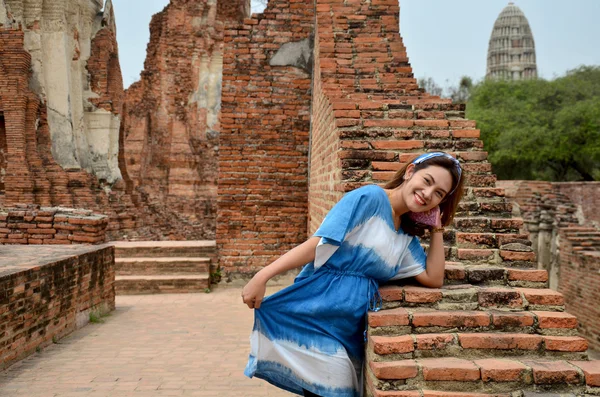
(433, 276)
(254, 292)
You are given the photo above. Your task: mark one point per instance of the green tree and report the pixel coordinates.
(462, 92)
(430, 86)
(538, 129)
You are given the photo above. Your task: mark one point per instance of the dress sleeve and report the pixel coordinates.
(352, 210)
(413, 262)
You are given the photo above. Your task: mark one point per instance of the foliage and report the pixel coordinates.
(430, 86)
(538, 129)
(461, 93)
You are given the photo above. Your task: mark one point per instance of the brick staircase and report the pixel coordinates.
(493, 329)
(150, 267)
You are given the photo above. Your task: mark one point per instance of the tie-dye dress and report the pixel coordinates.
(310, 335)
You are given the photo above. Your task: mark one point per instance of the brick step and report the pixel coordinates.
(588, 237)
(470, 297)
(402, 321)
(164, 284)
(488, 210)
(488, 225)
(456, 239)
(458, 273)
(159, 249)
(157, 266)
(437, 393)
(490, 256)
(478, 377)
(488, 240)
(578, 229)
(477, 345)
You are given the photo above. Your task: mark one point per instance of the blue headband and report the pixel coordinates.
(424, 157)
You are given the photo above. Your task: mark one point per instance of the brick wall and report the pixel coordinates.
(579, 279)
(583, 194)
(263, 147)
(34, 225)
(379, 119)
(105, 72)
(170, 123)
(32, 176)
(573, 253)
(325, 164)
(48, 292)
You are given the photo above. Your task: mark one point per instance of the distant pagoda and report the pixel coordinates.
(511, 54)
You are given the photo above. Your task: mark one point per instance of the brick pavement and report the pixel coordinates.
(150, 346)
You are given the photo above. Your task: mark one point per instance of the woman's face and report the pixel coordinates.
(426, 188)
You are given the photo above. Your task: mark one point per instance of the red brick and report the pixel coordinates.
(434, 341)
(540, 276)
(392, 344)
(497, 370)
(395, 393)
(451, 319)
(555, 320)
(391, 293)
(500, 297)
(466, 133)
(449, 369)
(500, 341)
(517, 256)
(542, 296)
(512, 319)
(422, 295)
(475, 254)
(472, 156)
(391, 317)
(389, 123)
(404, 369)
(397, 145)
(552, 372)
(454, 272)
(591, 370)
(433, 393)
(432, 123)
(565, 343)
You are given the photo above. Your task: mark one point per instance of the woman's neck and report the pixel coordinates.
(399, 207)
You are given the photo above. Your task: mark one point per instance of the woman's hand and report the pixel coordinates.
(254, 292)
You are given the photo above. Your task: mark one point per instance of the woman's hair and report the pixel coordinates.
(448, 205)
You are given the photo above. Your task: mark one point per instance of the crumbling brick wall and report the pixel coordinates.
(579, 279)
(585, 195)
(49, 293)
(171, 127)
(566, 241)
(263, 148)
(33, 224)
(29, 169)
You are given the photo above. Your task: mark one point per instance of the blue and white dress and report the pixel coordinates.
(310, 335)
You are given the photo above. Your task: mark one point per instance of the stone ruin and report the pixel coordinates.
(317, 98)
(562, 222)
(68, 130)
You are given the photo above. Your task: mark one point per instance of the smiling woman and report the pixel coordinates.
(308, 338)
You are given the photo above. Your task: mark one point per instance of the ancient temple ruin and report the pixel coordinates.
(316, 99)
(62, 126)
(511, 52)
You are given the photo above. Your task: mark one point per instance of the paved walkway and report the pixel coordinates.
(151, 346)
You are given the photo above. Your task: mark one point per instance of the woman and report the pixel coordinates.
(308, 338)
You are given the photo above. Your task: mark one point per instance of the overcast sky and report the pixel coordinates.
(445, 39)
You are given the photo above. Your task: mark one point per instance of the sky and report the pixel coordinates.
(446, 39)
